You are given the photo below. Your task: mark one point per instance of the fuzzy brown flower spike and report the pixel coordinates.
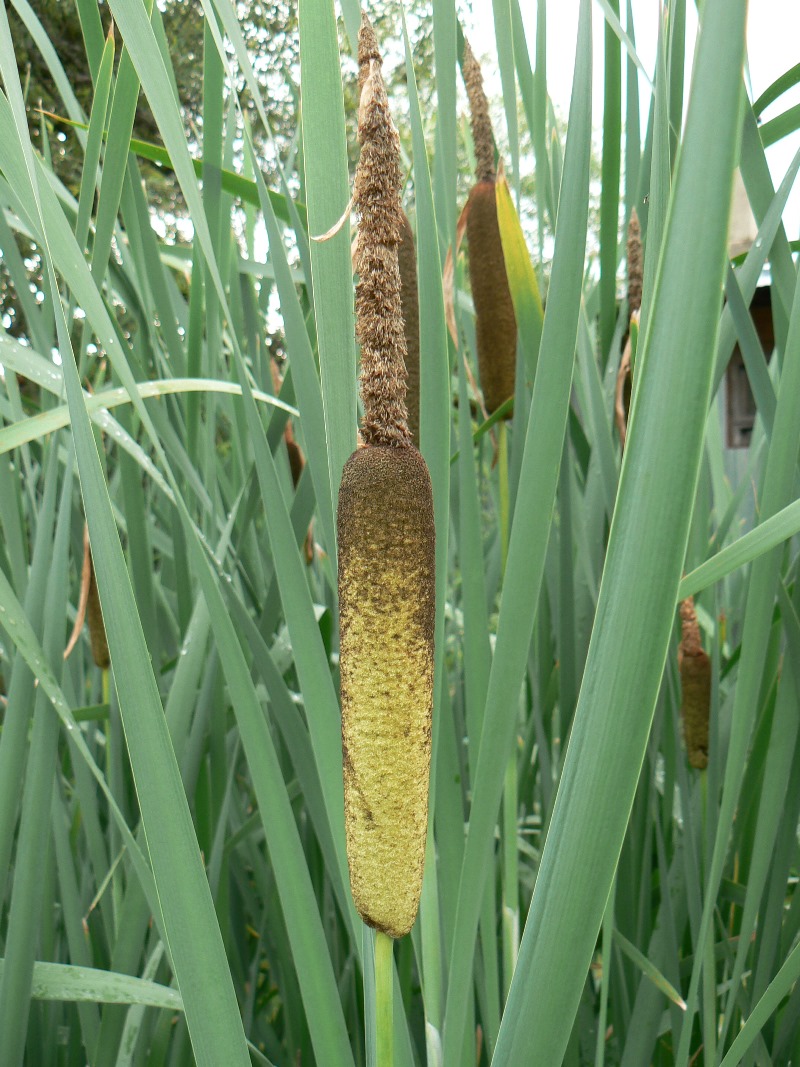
(635, 264)
(479, 118)
(379, 317)
(695, 671)
(386, 536)
(495, 322)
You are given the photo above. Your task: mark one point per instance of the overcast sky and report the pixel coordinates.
(773, 45)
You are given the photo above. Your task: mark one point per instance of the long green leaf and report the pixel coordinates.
(642, 570)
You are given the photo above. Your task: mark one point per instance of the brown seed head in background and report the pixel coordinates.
(695, 671)
(495, 322)
(409, 298)
(635, 264)
(482, 135)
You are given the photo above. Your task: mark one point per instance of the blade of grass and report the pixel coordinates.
(57, 981)
(328, 193)
(28, 892)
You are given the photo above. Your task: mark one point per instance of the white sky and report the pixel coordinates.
(773, 46)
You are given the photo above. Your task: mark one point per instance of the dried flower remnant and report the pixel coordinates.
(89, 611)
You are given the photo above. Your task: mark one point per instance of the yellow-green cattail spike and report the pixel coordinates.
(386, 612)
(495, 321)
(695, 671)
(386, 560)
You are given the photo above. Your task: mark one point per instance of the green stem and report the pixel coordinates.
(510, 789)
(116, 881)
(384, 977)
(502, 464)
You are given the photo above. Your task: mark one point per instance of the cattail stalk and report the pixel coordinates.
(386, 560)
(495, 322)
(695, 671)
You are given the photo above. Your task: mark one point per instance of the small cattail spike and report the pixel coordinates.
(695, 671)
(635, 264)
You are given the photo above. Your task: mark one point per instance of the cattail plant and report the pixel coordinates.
(695, 671)
(386, 559)
(635, 256)
(495, 322)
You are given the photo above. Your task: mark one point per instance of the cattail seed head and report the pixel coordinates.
(695, 671)
(386, 613)
(495, 322)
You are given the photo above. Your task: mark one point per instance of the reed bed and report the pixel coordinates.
(588, 658)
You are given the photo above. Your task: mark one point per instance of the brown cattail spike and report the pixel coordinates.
(409, 296)
(695, 670)
(379, 319)
(495, 322)
(635, 264)
(482, 136)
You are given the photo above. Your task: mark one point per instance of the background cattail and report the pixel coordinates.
(625, 375)
(409, 298)
(695, 671)
(386, 560)
(495, 322)
(635, 264)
